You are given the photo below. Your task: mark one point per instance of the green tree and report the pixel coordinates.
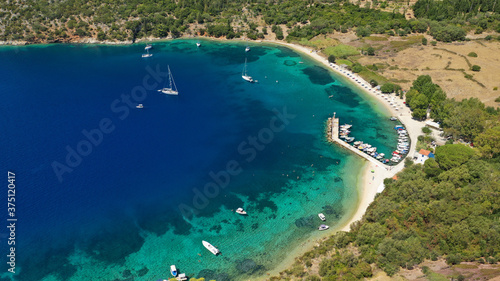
(419, 101)
(488, 142)
(101, 36)
(453, 155)
(357, 68)
(370, 51)
(388, 88)
(331, 58)
(431, 168)
(419, 114)
(424, 41)
(466, 120)
(476, 68)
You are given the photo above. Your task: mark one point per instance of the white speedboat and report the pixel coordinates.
(171, 89)
(198, 44)
(322, 217)
(323, 227)
(244, 74)
(148, 47)
(247, 49)
(173, 270)
(241, 211)
(139, 106)
(210, 247)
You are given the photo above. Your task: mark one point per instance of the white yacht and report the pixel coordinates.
(148, 47)
(241, 211)
(247, 49)
(323, 227)
(244, 74)
(139, 106)
(210, 247)
(172, 89)
(198, 44)
(322, 217)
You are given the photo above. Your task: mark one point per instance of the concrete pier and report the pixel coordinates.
(333, 136)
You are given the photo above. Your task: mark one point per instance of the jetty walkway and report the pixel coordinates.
(333, 136)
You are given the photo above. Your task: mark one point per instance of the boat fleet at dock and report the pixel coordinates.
(397, 155)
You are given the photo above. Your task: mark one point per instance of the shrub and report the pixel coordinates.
(424, 41)
(472, 54)
(425, 270)
(488, 38)
(370, 51)
(476, 68)
(331, 58)
(433, 43)
(357, 68)
(453, 259)
(426, 130)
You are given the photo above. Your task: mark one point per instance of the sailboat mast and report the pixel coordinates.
(169, 77)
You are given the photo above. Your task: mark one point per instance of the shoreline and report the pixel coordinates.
(370, 183)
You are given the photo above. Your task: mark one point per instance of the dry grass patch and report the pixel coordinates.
(376, 38)
(341, 50)
(447, 65)
(319, 43)
(406, 42)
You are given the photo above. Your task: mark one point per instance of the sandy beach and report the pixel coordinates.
(373, 175)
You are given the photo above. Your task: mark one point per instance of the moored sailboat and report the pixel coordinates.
(147, 55)
(244, 74)
(172, 89)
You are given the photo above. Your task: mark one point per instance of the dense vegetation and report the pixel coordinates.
(59, 21)
(449, 207)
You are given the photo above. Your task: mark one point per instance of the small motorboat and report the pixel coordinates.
(323, 227)
(139, 106)
(148, 47)
(322, 217)
(198, 44)
(393, 118)
(247, 49)
(210, 247)
(173, 270)
(241, 211)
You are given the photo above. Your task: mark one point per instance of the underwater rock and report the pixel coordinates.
(207, 274)
(222, 277)
(142, 272)
(305, 222)
(246, 266)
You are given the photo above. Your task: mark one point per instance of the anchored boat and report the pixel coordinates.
(210, 247)
(173, 270)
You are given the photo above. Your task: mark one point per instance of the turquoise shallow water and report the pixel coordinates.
(125, 211)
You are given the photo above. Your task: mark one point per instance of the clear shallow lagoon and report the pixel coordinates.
(116, 215)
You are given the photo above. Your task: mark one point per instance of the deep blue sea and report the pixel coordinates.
(107, 191)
